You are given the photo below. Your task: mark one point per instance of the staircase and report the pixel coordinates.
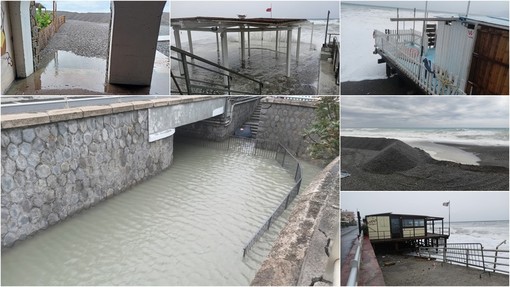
(253, 121)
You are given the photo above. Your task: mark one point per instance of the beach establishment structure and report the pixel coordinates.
(406, 229)
(244, 26)
(132, 46)
(456, 55)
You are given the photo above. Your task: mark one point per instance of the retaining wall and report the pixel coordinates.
(284, 121)
(57, 163)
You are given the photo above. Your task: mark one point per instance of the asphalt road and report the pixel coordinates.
(349, 234)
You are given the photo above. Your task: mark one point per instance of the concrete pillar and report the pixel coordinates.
(22, 37)
(224, 54)
(298, 44)
(133, 41)
(243, 58)
(289, 44)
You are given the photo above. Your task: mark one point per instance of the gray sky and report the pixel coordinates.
(465, 206)
(85, 6)
(489, 8)
(253, 9)
(425, 112)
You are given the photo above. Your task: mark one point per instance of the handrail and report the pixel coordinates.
(355, 264)
(226, 72)
(469, 255)
(285, 202)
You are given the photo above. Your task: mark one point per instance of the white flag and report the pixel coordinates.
(446, 203)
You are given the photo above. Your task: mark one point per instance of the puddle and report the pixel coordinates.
(68, 71)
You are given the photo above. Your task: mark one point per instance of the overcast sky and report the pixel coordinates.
(490, 8)
(253, 9)
(425, 112)
(465, 206)
(85, 6)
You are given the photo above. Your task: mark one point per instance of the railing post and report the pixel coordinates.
(186, 73)
(283, 160)
(295, 175)
(467, 257)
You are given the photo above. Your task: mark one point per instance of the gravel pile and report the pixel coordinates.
(398, 156)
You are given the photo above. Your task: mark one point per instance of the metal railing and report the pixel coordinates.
(401, 48)
(201, 76)
(266, 149)
(470, 255)
(355, 264)
(291, 164)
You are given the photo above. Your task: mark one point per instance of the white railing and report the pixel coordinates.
(355, 264)
(403, 49)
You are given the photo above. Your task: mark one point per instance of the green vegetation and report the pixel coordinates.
(43, 18)
(325, 130)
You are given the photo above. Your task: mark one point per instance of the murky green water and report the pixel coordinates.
(187, 226)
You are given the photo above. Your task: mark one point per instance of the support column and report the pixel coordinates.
(298, 44)
(276, 45)
(22, 37)
(289, 44)
(177, 37)
(133, 41)
(218, 45)
(224, 54)
(249, 52)
(190, 42)
(311, 37)
(242, 48)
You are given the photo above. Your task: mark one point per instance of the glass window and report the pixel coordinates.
(407, 222)
(419, 223)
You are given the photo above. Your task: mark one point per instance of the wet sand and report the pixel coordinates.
(412, 271)
(389, 164)
(390, 86)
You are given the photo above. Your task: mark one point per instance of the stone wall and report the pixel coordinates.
(220, 127)
(285, 121)
(298, 256)
(53, 170)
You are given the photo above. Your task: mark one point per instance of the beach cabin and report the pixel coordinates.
(413, 230)
(456, 55)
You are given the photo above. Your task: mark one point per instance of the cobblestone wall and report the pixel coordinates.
(220, 128)
(52, 171)
(285, 121)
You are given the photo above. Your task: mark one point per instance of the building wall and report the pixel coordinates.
(51, 171)
(7, 57)
(379, 227)
(285, 121)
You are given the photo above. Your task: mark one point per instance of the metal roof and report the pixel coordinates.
(407, 215)
(502, 22)
(226, 22)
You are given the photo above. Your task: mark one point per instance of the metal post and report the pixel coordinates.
(298, 43)
(186, 73)
(218, 44)
(289, 44)
(276, 44)
(242, 48)
(190, 42)
(327, 26)
(177, 37)
(249, 52)
(283, 161)
(224, 55)
(311, 37)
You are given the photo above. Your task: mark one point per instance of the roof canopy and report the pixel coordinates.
(427, 217)
(215, 23)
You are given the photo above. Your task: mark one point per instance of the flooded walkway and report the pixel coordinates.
(187, 226)
(74, 63)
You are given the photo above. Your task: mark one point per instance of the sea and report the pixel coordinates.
(358, 25)
(465, 136)
(263, 64)
(489, 233)
(433, 140)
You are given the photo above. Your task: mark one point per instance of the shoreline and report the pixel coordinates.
(390, 164)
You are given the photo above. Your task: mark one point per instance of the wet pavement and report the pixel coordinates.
(69, 74)
(74, 63)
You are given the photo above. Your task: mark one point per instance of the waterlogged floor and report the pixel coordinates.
(187, 226)
(68, 73)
